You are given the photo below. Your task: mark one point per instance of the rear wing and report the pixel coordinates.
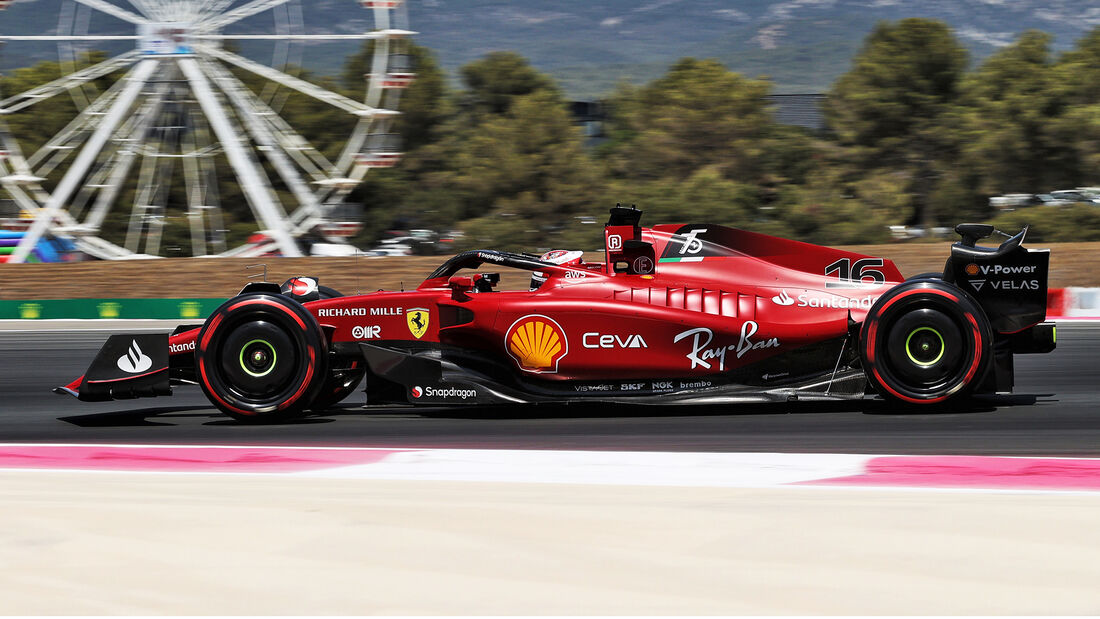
(1009, 281)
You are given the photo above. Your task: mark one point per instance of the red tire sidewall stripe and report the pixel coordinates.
(872, 332)
(905, 397)
(914, 291)
(214, 322)
(305, 381)
(210, 390)
(278, 306)
(210, 329)
(977, 348)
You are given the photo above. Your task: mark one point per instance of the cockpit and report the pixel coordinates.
(626, 253)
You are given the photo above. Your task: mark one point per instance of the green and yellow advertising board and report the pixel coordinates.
(108, 309)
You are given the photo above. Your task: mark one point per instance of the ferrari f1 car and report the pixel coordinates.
(673, 314)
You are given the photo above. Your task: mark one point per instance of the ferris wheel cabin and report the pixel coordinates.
(381, 150)
(399, 72)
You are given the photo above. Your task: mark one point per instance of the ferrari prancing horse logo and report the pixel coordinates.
(418, 319)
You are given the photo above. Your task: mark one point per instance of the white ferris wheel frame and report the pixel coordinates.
(112, 128)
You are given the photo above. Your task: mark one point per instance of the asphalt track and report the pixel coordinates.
(1053, 412)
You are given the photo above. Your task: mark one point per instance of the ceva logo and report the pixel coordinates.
(134, 361)
(782, 298)
(537, 343)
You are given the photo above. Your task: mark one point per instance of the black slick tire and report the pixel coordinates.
(261, 358)
(925, 342)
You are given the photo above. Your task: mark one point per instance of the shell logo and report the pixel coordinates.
(971, 269)
(537, 343)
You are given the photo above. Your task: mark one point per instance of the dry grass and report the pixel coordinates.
(1072, 264)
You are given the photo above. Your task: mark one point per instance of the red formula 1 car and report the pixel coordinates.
(675, 314)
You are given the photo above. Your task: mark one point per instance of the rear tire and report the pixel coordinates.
(928, 275)
(328, 293)
(925, 342)
(261, 358)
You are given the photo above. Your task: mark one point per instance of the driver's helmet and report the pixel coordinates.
(563, 257)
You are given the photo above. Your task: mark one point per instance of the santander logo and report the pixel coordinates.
(782, 298)
(134, 361)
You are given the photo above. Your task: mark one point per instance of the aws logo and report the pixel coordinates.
(537, 343)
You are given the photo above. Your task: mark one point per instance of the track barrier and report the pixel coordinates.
(1073, 302)
(108, 309)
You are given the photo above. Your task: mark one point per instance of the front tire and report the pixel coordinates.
(261, 358)
(925, 342)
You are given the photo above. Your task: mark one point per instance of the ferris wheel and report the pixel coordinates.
(180, 110)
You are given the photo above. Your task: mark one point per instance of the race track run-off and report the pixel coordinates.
(730, 470)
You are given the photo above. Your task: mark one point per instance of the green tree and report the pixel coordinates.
(494, 82)
(1077, 80)
(424, 105)
(528, 165)
(902, 82)
(507, 165)
(889, 110)
(443, 180)
(697, 115)
(1011, 106)
(705, 196)
(391, 197)
(35, 125)
(1076, 223)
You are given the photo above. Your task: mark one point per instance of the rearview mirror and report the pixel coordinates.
(461, 283)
